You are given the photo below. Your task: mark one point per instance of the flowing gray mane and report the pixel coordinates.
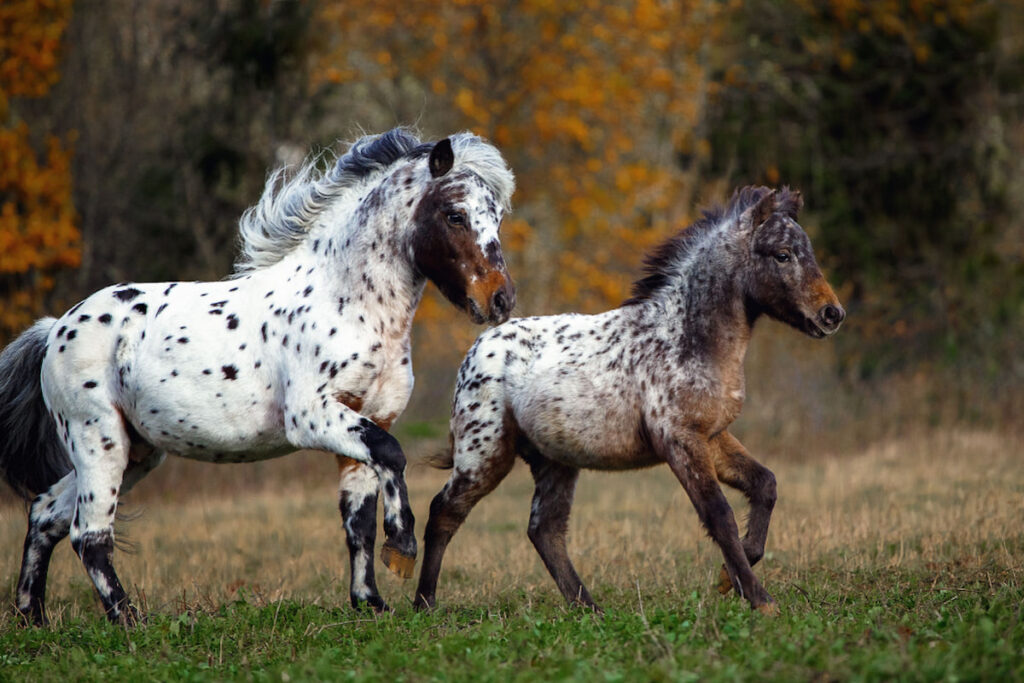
(291, 201)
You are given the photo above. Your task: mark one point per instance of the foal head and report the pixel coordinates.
(455, 238)
(784, 279)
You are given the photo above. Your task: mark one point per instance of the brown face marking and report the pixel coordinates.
(448, 254)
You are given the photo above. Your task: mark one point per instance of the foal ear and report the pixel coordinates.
(441, 158)
(791, 203)
(763, 210)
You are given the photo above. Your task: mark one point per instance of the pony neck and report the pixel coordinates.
(361, 258)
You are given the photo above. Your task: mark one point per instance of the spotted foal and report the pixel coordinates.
(658, 380)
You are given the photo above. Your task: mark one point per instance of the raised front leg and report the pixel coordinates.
(357, 501)
(689, 456)
(735, 467)
(331, 426)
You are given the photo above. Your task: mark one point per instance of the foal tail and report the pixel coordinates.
(31, 456)
(444, 459)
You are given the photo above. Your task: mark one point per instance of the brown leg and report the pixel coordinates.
(735, 467)
(449, 509)
(549, 524)
(690, 460)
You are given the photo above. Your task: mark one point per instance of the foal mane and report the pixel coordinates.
(660, 263)
(291, 201)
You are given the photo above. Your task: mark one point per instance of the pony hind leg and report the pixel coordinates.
(357, 502)
(99, 449)
(49, 521)
(735, 467)
(549, 525)
(478, 470)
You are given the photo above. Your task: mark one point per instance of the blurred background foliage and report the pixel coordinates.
(133, 134)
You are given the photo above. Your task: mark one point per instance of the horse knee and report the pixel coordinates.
(765, 493)
(384, 449)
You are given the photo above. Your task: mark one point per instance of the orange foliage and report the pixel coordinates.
(594, 105)
(37, 218)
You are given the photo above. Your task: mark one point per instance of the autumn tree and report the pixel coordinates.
(37, 218)
(594, 104)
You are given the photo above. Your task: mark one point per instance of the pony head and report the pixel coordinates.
(455, 235)
(785, 282)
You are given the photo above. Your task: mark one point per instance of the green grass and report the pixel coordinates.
(854, 626)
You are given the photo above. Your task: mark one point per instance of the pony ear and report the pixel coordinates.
(763, 210)
(441, 158)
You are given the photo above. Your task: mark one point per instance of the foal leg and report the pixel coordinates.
(49, 521)
(690, 459)
(549, 524)
(735, 467)
(475, 475)
(357, 501)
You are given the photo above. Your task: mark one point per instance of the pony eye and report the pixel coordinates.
(782, 256)
(455, 218)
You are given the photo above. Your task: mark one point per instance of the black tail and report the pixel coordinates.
(31, 456)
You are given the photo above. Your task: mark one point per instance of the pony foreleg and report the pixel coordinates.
(736, 468)
(49, 521)
(689, 458)
(336, 428)
(357, 501)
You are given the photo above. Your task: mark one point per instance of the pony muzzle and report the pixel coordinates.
(491, 299)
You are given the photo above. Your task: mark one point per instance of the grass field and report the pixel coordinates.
(902, 560)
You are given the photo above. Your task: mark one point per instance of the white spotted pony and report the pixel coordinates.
(658, 380)
(307, 345)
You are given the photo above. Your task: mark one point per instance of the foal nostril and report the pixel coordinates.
(832, 315)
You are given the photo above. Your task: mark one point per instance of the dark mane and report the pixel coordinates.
(658, 261)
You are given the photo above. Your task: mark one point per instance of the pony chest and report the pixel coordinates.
(375, 383)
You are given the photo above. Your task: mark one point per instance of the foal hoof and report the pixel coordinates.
(397, 562)
(724, 582)
(769, 609)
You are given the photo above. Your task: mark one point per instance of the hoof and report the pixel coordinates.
(399, 564)
(423, 604)
(32, 618)
(374, 602)
(769, 609)
(128, 617)
(724, 582)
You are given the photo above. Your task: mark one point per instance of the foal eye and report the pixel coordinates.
(454, 218)
(782, 256)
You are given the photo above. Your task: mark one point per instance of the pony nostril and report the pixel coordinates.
(500, 302)
(832, 315)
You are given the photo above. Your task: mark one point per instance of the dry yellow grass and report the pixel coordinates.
(946, 502)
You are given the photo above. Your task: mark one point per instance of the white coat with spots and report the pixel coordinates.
(657, 380)
(307, 346)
